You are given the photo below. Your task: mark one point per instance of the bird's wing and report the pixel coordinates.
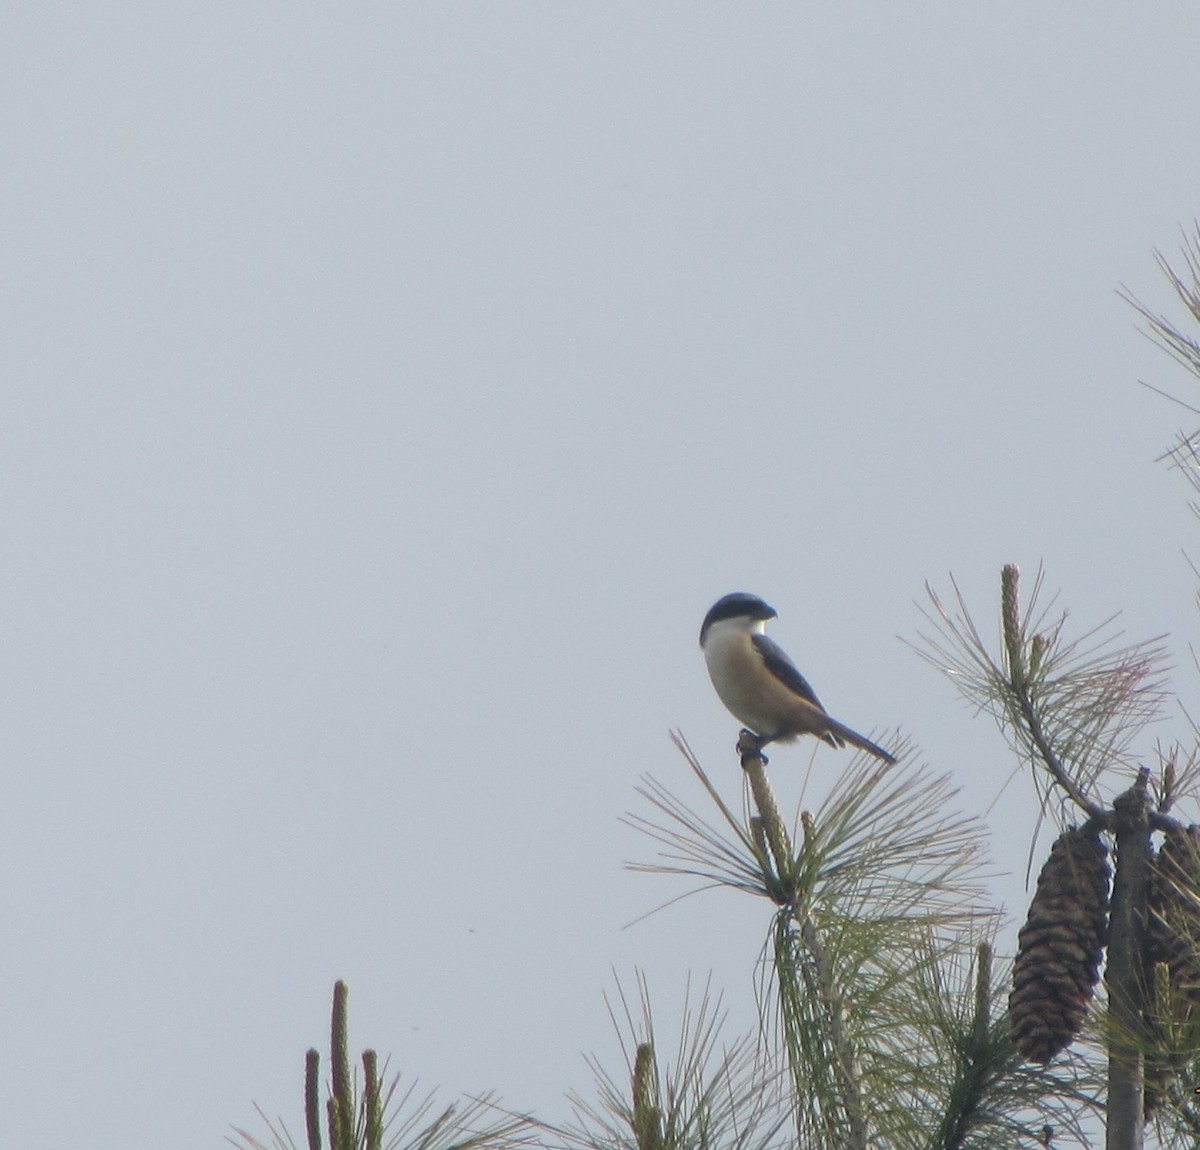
(783, 669)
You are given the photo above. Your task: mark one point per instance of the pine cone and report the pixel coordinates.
(1173, 925)
(1173, 940)
(1060, 946)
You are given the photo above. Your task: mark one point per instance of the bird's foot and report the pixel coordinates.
(749, 746)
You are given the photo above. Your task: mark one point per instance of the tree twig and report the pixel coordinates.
(1018, 683)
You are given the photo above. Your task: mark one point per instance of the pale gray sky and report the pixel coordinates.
(387, 392)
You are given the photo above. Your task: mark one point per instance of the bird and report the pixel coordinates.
(760, 685)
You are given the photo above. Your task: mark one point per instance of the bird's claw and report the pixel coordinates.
(749, 746)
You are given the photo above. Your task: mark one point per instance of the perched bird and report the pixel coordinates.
(758, 682)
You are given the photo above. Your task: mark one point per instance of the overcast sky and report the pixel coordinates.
(388, 390)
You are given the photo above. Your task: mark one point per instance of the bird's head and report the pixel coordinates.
(738, 606)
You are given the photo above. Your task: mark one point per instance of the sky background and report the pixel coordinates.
(388, 390)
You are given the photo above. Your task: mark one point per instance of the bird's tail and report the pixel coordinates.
(840, 731)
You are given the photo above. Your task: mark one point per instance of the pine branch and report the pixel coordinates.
(1174, 341)
(770, 824)
(381, 1120)
(1072, 706)
(1018, 683)
(849, 1075)
(312, 1098)
(713, 1096)
(341, 1099)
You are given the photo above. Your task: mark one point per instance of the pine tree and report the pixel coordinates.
(889, 1019)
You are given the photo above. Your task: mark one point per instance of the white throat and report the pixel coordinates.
(725, 631)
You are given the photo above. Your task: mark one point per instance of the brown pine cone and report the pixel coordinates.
(1173, 925)
(1060, 947)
